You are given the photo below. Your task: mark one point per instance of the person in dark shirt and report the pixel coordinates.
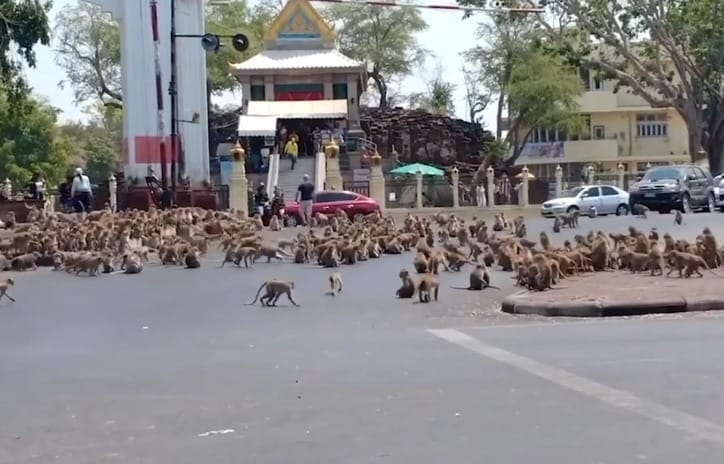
(261, 198)
(305, 197)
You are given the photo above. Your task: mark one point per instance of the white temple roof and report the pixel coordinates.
(278, 60)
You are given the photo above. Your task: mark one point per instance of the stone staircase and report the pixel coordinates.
(289, 180)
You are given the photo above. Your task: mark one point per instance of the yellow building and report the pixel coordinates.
(624, 129)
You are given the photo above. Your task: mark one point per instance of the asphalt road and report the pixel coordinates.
(139, 369)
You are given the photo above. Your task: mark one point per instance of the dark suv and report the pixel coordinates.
(682, 187)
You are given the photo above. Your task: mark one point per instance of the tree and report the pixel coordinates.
(543, 92)
(98, 143)
(29, 140)
(89, 51)
(504, 38)
(477, 96)
(382, 37)
(439, 97)
(232, 18)
(88, 48)
(23, 24)
(669, 53)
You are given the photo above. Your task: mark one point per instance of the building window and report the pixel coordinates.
(585, 78)
(596, 83)
(547, 136)
(599, 132)
(339, 91)
(258, 93)
(652, 125)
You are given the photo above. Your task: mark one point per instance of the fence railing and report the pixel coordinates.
(361, 187)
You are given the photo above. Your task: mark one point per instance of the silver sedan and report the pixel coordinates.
(604, 199)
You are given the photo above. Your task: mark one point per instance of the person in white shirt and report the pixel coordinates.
(80, 192)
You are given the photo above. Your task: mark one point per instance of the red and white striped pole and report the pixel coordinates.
(500, 9)
(159, 93)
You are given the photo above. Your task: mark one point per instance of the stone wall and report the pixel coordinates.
(419, 136)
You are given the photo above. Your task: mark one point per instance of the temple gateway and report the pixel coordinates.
(300, 84)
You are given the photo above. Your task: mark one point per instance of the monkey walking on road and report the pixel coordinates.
(335, 284)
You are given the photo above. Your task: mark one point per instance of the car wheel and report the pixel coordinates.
(291, 221)
(622, 210)
(711, 203)
(571, 209)
(685, 204)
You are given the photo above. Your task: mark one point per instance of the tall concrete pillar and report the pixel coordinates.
(334, 175)
(377, 180)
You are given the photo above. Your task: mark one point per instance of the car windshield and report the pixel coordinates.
(662, 173)
(573, 192)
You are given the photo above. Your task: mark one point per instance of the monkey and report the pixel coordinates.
(89, 264)
(132, 264)
(479, 279)
(570, 219)
(107, 264)
(26, 261)
(421, 264)
(521, 231)
(678, 218)
(425, 289)
(640, 210)
(556, 224)
(407, 290)
(274, 224)
(300, 255)
(192, 259)
(656, 261)
(545, 242)
(271, 252)
(687, 264)
(274, 289)
(499, 223)
(638, 261)
(335, 284)
(5, 284)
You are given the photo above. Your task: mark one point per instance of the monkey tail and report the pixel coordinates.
(461, 288)
(258, 292)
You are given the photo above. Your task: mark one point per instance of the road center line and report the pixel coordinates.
(695, 426)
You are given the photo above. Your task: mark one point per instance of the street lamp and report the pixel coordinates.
(210, 43)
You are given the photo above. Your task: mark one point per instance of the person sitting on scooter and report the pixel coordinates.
(261, 199)
(277, 202)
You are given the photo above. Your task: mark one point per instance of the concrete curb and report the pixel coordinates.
(526, 304)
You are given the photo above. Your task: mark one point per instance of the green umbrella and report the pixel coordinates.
(423, 168)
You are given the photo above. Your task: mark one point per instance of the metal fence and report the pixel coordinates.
(361, 187)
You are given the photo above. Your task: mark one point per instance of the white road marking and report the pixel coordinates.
(695, 426)
(216, 432)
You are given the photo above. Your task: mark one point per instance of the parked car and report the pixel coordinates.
(719, 192)
(607, 199)
(329, 201)
(684, 187)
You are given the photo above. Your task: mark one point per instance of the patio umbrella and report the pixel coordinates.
(423, 168)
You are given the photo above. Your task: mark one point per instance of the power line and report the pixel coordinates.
(393, 3)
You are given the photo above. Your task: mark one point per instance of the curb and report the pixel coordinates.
(525, 305)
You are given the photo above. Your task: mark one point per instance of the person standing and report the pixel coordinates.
(81, 192)
(305, 198)
(480, 196)
(291, 149)
(261, 199)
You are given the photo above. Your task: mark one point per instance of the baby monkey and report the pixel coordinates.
(335, 284)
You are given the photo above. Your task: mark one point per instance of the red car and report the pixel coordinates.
(329, 201)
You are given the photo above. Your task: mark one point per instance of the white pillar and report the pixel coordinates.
(591, 174)
(559, 181)
(523, 193)
(113, 193)
(621, 174)
(455, 185)
(490, 173)
(418, 190)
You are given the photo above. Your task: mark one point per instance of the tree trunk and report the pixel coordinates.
(714, 140)
(499, 117)
(381, 88)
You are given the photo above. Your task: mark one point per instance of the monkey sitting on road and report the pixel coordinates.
(479, 279)
(557, 224)
(273, 290)
(407, 290)
(335, 284)
(192, 259)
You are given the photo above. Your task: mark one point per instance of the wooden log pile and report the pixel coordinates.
(419, 136)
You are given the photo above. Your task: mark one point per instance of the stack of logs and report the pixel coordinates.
(419, 136)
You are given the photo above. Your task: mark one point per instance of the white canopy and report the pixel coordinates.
(310, 109)
(257, 126)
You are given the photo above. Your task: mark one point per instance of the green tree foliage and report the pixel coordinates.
(382, 37)
(229, 19)
(543, 92)
(439, 98)
(29, 139)
(97, 144)
(23, 24)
